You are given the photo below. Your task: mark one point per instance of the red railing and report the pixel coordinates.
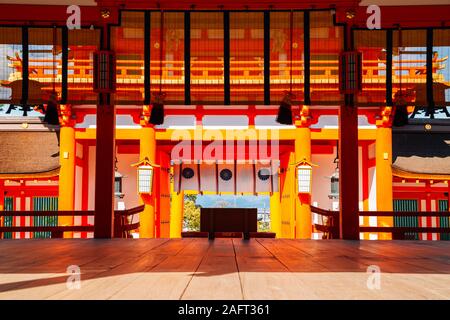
(330, 225)
(122, 226)
(399, 233)
(330, 222)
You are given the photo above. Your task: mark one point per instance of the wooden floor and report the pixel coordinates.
(224, 269)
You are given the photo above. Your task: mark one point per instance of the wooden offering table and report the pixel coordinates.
(228, 220)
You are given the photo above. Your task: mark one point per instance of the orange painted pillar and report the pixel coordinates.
(163, 200)
(288, 191)
(148, 150)
(66, 194)
(176, 213)
(365, 188)
(275, 213)
(384, 177)
(303, 226)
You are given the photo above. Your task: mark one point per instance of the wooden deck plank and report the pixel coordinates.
(114, 270)
(221, 247)
(291, 257)
(263, 276)
(279, 248)
(217, 274)
(223, 269)
(250, 248)
(97, 262)
(170, 278)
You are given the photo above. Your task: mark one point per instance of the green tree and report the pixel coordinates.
(263, 226)
(191, 197)
(191, 213)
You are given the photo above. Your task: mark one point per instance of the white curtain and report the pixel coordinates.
(242, 177)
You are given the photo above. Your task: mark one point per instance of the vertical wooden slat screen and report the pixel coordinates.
(409, 70)
(407, 221)
(226, 57)
(258, 67)
(25, 62)
(247, 57)
(326, 42)
(372, 45)
(64, 63)
(82, 44)
(10, 62)
(45, 204)
(267, 57)
(389, 51)
(280, 55)
(172, 55)
(429, 69)
(187, 57)
(45, 58)
(127, 40)
(8, 221)
(207, 58)
(441, 71)
(444, 222)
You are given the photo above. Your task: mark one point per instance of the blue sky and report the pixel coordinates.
(231, 201)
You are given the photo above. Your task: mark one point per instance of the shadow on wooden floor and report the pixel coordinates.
(185, 268)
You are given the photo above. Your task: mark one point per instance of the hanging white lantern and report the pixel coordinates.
(145, 176)
(304, 178)
(334, 179)
(145, 179)
(118, 185)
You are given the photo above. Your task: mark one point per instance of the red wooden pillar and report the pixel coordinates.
(348, 173)
(105, 160)
(2, 195)
(104, 171)
(2, 204)
(348, 163)
(448, 195)
(428, 235)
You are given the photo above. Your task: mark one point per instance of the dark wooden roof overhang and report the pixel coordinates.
(421, 155)
(28, 154)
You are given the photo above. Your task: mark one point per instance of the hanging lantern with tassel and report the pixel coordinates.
(334, 179)
(401, 108)
(157, 113)
(285, 111)
(51, 110)
(401, 97)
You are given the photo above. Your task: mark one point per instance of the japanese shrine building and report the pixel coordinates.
(220, 71)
